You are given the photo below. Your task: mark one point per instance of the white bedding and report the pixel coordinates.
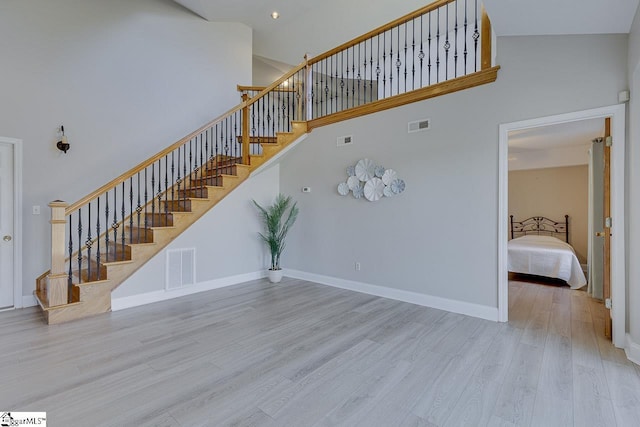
(545, 256)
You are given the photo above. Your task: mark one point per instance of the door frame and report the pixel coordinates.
(17, 219)
(618, 276)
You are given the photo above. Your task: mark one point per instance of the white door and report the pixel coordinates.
(6, 225)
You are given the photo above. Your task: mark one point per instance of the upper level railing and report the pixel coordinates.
(436, 44)
(420, 55)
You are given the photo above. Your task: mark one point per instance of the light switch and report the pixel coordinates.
(36, 210)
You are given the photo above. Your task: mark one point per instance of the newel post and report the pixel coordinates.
(246, 143)
(485, 39)
(57, 280)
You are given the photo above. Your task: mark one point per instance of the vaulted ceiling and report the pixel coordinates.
(312, 26)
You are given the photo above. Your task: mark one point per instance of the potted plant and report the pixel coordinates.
(277, 219)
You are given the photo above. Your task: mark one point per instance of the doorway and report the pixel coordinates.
(10, 223)
(618, 286)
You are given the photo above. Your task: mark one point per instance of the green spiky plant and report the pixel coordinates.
(277, 219)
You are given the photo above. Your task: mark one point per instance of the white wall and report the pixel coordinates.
(633, 184)
(323, 28)
(226, 240)
(439, 237)
(126, 78)
(551, 158)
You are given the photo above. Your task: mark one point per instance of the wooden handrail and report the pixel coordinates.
(108, 186)
(408, 17)
(261, 88)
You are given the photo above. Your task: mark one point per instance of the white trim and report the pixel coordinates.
(17, 219)
(162, 295)
(461, 307)
(632, 350)
(29, 301)
(618, 278)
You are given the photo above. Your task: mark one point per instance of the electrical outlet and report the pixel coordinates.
(357, 266)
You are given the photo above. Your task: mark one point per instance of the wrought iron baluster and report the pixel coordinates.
(153, 199)
(217, 157)
(429, 52)
(398, 62)
(364, 84)
(190, 164)
(88, 243)
(130, 209)
(438, 46)
(159, 193)
(384, 65)
(465, 36)
(98, 239)
(106, 225)
(166, 192)
(139, 208)
(173, 193)
(359, 76)
(80, 245)
(378, 66)
(413, 54)
(391, 62)
(447, 45)
(353, 77)
(455, 34)
(122, 212)
(371, 68)
(114, 224)
(476, 36)
(342, 80)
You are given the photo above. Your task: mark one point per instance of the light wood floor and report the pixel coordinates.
(302, 354)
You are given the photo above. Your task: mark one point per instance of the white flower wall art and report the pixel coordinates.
(367, 180)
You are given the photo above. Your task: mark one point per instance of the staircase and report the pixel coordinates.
(102, 239)
(90, 290)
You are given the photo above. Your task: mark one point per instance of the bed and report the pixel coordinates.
(535, 249)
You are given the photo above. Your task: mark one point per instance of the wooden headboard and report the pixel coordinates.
(540, 225)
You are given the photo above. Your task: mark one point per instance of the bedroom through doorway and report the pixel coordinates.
(551, 205)
(551, 208)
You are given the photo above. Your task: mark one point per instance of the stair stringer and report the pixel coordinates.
(95, 297)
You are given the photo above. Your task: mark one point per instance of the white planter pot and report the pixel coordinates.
(275, 276)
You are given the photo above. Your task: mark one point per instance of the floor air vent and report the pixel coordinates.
(419, 125)
(181, 268)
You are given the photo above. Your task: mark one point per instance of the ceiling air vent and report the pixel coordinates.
(419, 125)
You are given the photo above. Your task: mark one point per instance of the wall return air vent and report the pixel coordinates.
(419, 125)
(181, 266)
(345, 140)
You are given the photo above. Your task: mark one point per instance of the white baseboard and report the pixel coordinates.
(632, 349)
(461, 307)
(28, 301)
(163, 295)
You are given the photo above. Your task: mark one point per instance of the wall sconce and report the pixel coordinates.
(63, 144)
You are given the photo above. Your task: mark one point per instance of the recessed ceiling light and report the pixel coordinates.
(275, 15)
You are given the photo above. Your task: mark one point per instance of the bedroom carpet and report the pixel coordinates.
(302, 354)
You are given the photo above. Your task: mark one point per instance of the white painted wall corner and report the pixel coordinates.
(28, 301)
(632, 350)
(461, 307)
